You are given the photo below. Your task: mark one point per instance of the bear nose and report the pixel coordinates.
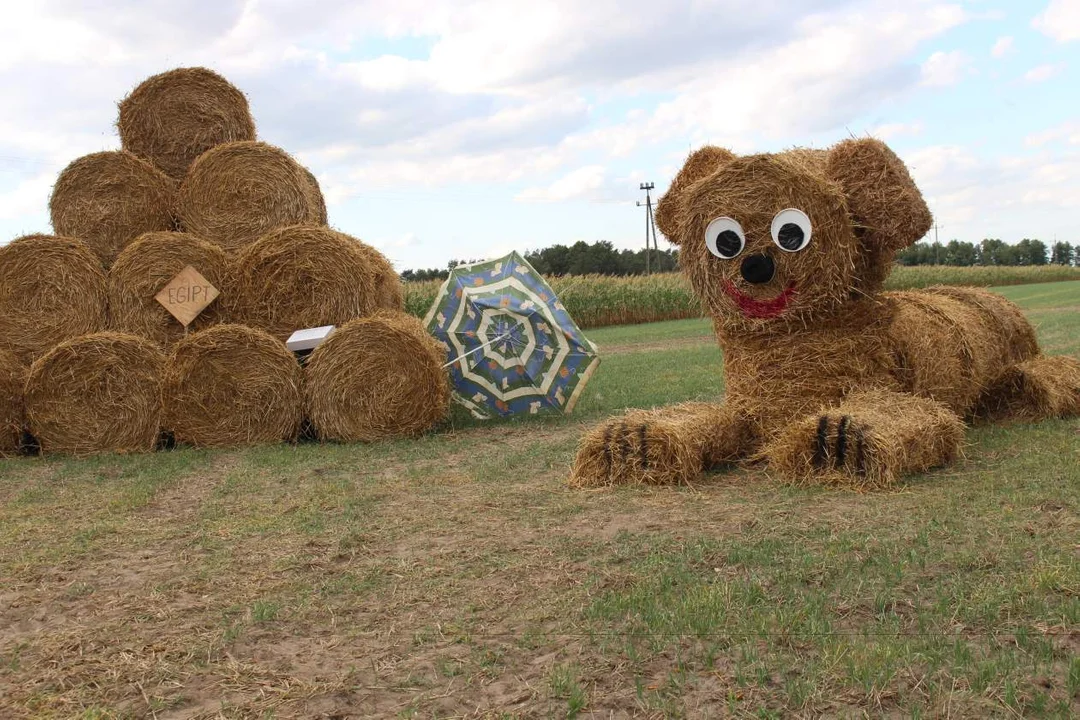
(758, 269)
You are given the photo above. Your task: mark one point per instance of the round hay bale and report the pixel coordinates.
(149, 264)
(389, 292)
(173, 117)
(375, 378)
(302, 276)
(12, 415)
(316, 192)
(107, 199)
(96, 393)
(239, 191)
(232, 385)
(51, 289)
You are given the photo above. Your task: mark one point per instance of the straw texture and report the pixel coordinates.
(107, 199)
(51, 289)
(376, 378)
(388, 289)
(149, 264)
(96, 393)
(302, 276)
(316, 192)
(953, 345)
(670, 211)
(12, 413)
(868, 441)
(662, 446)
(232, 385)
(831, 380)
(172, 118)
(236, 192)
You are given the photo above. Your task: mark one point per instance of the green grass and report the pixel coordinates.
(600, 301)
(456, 575)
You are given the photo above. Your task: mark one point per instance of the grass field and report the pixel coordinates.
(457, 576)
(601, 301)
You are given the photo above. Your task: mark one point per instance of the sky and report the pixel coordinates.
(452, 129)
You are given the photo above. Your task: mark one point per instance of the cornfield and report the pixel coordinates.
(599, 300)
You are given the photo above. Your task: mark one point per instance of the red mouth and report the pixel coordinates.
(760, 308)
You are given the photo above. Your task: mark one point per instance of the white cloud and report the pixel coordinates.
(888, 131)
(489, 92)
(27, 197)
(1010, 197)
(1060, 20)
(1002, 47)
(835, 68)
(582, 183)
(1042, 73)
(943, 69)
(395, 243)
(1068, 132)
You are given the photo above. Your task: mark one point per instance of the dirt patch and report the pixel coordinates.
(182, 500)
(440, 591)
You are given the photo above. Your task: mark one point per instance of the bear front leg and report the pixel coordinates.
(869, 440)
(666, 446)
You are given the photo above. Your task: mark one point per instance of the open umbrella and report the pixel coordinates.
(511, 346)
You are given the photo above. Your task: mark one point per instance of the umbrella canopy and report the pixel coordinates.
(511, 346)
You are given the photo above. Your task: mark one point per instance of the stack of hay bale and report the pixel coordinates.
(91, 362)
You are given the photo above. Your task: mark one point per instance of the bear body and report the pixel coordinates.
(828, 377)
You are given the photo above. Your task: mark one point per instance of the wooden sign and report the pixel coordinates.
(187, 295)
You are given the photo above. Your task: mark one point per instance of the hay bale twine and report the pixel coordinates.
(375, 378)
(51, 289)
(389, 291)
(232, 385)
(107, 199)
(239, 191)
(149, 264)
(173, 117)
(299, 277)
(12, 415)
(96, 393)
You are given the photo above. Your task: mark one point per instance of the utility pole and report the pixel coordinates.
(937, 246)
(648, 224)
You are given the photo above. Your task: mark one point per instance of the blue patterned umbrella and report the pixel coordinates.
(511, 346)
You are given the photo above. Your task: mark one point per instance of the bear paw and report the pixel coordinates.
(871, 445)
(637, 449)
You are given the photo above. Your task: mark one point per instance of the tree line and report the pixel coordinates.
(601, 258)
(581, 258)
(991, 251)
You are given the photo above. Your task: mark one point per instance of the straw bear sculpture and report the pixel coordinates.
(829, 379)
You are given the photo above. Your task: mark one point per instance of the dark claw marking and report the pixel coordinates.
(643, 447)
(841, 441)
(607, 447)
(822, 441)
(624, 443)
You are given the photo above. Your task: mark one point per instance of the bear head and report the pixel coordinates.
(771, 241)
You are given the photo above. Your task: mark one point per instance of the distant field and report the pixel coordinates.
(456, 576)
(598, 301)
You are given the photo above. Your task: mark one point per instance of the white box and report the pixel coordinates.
(309, 338)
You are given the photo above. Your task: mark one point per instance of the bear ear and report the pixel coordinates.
(888, 210)
(701, 163)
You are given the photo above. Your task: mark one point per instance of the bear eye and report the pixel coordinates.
(791, 230)
(725, 238)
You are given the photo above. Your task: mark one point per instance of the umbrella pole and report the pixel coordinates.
(481, 347)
